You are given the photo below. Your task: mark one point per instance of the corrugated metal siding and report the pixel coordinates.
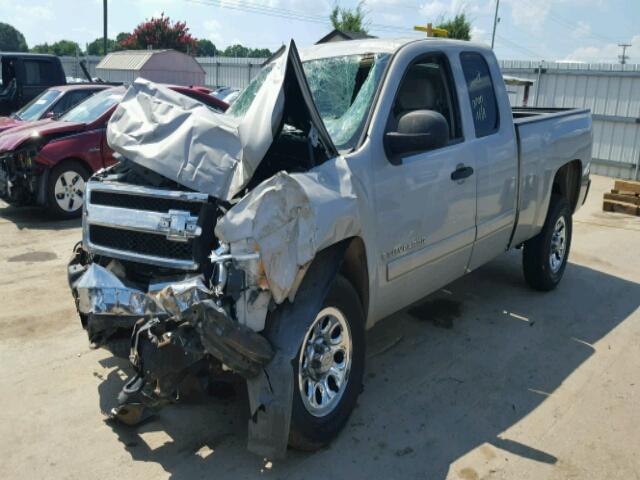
(230, 72)
(612, 92)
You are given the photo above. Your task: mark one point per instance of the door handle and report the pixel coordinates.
(461, 172)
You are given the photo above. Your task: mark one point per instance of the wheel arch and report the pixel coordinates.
(566, 182)
(355, 269)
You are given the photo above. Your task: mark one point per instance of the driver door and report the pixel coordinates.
(425, 212)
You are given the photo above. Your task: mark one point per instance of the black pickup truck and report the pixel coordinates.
(25, 76)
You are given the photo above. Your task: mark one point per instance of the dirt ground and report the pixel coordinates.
(485, 379)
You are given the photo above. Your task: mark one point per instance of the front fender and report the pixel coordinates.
(271, 392)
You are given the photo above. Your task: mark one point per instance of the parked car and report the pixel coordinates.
(336, 190)
(25, 76)
(226, 94)
(51, 103)
(47, 162)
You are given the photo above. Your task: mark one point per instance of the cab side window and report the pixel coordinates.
(428, 85)
(482, 97)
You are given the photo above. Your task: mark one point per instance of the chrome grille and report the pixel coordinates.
(147, 225)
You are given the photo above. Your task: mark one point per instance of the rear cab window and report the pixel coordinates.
(482, 96)
(40, 72)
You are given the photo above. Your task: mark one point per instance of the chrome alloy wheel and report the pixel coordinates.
(558, 245)
(325, 362)
(69, 191)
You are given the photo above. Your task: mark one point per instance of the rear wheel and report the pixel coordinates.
(545, 256)
(328, 369)
(65, 195)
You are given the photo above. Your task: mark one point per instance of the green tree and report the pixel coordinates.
(206, 48)
(59, 48)
(347, 19)
(11, 40)
(96, 47)
(122, 36)
(260, 53)
(236, 51)
(458, 27)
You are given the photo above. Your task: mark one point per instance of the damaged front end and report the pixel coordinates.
(21, 178)
(199, 240)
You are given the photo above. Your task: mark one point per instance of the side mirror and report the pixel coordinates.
(417, 131)
(50, 114)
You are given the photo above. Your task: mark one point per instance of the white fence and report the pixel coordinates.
(611, 91)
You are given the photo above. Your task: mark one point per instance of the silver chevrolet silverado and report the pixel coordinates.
(346, 182)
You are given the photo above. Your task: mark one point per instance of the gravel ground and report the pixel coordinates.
(484, 379)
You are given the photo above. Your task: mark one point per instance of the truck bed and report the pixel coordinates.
(547, 139)
(533, 114)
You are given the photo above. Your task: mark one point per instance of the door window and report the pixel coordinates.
(428, 85)
(482, 95)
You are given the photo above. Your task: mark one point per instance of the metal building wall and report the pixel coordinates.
(230, 72)
(611, 91)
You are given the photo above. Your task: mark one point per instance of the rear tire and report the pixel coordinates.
(65, 189)
(313, 426)
(545, 256)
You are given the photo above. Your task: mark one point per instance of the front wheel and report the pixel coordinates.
(545, 256)
(328, 369)
(65, 193)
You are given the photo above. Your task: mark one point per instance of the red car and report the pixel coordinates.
(51, 103)
(47, 162)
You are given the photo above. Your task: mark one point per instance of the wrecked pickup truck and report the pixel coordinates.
(341, 186)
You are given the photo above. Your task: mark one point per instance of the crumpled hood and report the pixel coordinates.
(14, 138)
(8, 122)
(209, 152)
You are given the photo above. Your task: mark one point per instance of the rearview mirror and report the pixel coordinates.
(417, 131)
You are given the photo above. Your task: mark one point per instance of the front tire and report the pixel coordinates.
(328, 369)
(65, 189)
(545, 256)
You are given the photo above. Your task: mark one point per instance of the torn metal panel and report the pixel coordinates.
(182, 139)
(210, 152)
(270, 395)
(291, 217)
(101, 292)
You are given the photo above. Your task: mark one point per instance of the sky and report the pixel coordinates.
(567, 30)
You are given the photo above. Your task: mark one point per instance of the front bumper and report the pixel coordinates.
(111, 310)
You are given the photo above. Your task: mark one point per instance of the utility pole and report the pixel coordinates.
(496, 20)
(624, 57)
(104, 18)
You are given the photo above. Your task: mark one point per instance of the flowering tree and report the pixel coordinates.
(161, 33)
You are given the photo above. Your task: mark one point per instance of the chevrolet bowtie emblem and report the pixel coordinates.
(179, 226)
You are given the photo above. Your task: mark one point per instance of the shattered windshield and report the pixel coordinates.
(94, 107)
(242, 103)
(343, 89)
